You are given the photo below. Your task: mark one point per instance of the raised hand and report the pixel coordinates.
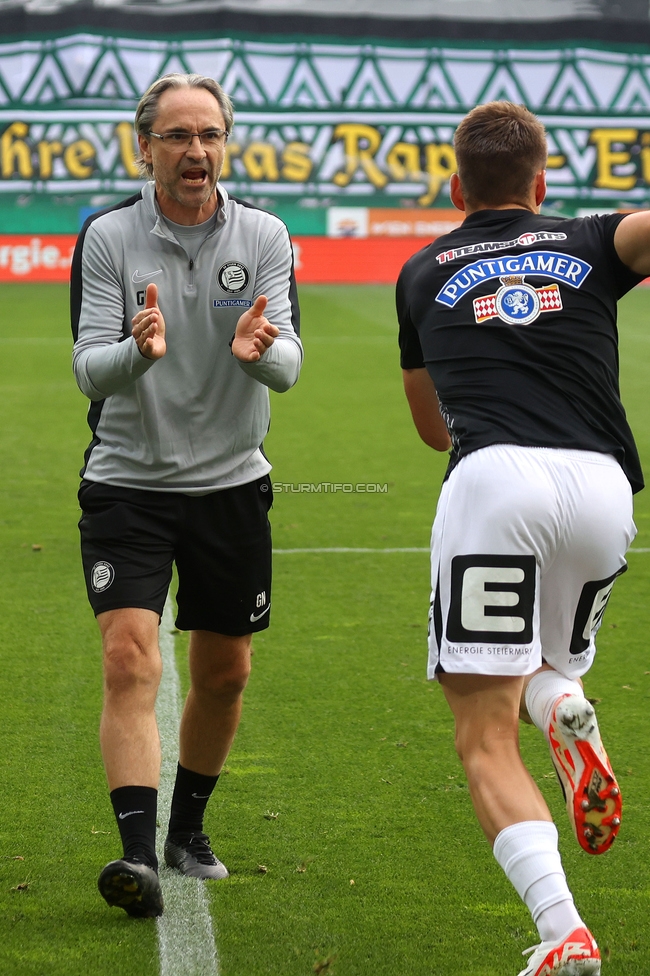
(149, 327)
(254, 333)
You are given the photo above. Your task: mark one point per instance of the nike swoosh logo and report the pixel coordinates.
(136, 277)
(256, 616)
(123, 816)
(198, 797)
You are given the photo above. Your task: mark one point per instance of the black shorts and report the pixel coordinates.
(221, 544)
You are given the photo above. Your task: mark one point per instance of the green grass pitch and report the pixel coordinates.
(374, 865)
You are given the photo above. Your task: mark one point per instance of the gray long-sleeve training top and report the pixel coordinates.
(193, 421)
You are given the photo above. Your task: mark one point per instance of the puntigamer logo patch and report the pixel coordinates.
(233, 277)
(547, 264)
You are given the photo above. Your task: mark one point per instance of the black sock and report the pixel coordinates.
(135, 811)
(191, 794)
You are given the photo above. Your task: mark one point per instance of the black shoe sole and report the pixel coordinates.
(133, 887)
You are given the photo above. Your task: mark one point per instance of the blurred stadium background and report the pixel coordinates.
(345, 112)
(344, 819)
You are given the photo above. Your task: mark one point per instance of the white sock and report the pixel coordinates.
(528, 854)
(543, 691)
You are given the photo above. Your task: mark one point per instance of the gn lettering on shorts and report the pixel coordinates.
(548, 264)
(591, 607)
(262, 607)
(492, 600)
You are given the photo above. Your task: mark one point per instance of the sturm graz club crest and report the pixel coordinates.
(516, 302)
(233, 277)
(101, 576)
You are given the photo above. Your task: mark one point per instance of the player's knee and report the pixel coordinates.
(129, 662)
(219, 666)
(224, 683)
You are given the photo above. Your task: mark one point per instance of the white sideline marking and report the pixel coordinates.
(185, 936)
(284, 552)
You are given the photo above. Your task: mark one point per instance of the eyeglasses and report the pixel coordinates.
(181, 141)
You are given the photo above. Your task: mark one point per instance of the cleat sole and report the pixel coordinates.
(133, 887)
(592, 795)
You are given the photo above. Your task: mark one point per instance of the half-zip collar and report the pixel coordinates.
(161, 229)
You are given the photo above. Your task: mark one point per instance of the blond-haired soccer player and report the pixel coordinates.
(509, 351)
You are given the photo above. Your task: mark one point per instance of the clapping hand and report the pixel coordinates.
(149, 327)
(254, 333)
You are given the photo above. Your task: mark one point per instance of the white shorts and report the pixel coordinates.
(526, 545)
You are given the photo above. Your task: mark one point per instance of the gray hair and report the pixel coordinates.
(147, 110)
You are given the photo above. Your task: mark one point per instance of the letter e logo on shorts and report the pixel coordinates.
(101, 576)
(589, 613)
(492, 599)
(233, 277)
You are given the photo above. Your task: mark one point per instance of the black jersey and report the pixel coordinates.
(514, 316)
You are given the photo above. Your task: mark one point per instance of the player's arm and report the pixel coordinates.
(632, 242)
(266, 342)
(418, 385)
(103, 363)
(425, 409)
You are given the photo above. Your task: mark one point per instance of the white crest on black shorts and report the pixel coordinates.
(101, 576)
(233, 277)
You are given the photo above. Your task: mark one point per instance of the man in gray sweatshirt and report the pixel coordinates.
(184, 313)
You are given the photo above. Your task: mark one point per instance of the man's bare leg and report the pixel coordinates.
(132, 669)
(219, 670)
(508, 804)
(486, 709)
(131, 752)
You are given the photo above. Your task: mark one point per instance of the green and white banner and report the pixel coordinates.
(325, 122)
